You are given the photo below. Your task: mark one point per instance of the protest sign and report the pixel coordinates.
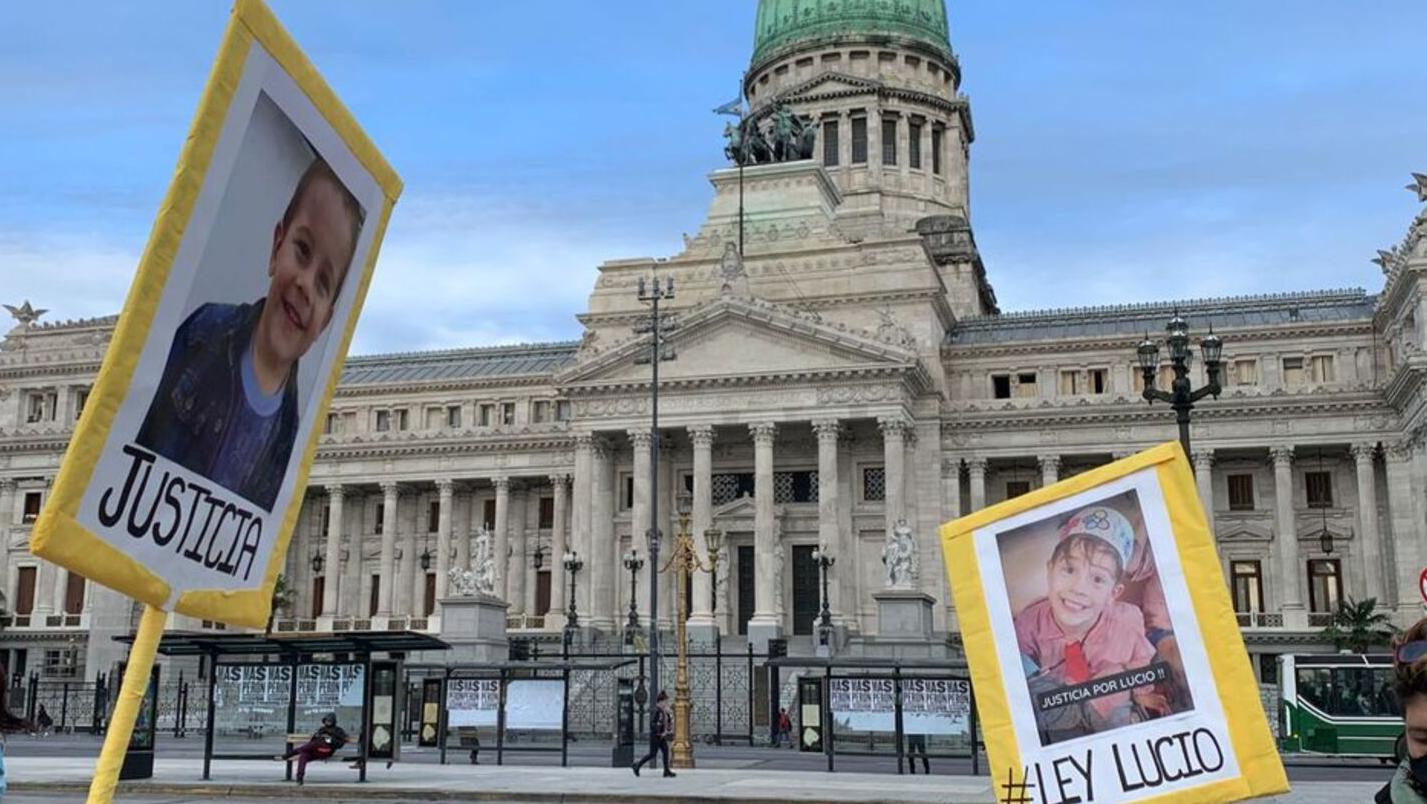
(929, 706)
(187, 469)
(472, 702)
(1088, 609)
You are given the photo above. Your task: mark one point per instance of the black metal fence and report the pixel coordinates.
(84, 706)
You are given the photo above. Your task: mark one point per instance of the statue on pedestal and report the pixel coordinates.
(900, 556)
(480, 578)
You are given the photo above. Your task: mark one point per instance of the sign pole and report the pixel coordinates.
(126, 706)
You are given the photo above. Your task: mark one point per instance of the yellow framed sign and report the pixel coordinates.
(1104, 651)
(189, 464)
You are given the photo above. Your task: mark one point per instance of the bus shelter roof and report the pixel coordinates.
(543, 664)
(868, 663)
(202, 643)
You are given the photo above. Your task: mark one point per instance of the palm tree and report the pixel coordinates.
(1358, 626)
(282, 600)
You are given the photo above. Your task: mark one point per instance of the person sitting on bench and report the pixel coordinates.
(325, 742)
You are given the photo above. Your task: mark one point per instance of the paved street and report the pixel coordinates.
(57, 769)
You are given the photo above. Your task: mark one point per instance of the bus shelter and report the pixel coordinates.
(846, 706)
(530, 696)
(267, 679)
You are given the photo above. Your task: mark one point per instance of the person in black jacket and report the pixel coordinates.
(661, 729)
(1409, 663)
(325, 742)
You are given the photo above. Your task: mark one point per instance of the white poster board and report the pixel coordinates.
(535, 704)
(472, 702)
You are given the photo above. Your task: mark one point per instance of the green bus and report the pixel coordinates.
(1340, 704)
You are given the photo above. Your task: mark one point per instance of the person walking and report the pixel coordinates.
(660, 730)
(917, 744)
(785, 727)
(44, 722)
(9, 724)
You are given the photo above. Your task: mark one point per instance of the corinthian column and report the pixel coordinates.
(333, 562)
(388, 552)
(765, 607)
(446, 494)
(639, 524)
(701, 613)
(502, 536)
(828, 431)
(604, 551)
(1204, 479)
(558, 546)
(976, 469)
(1050, 469)
(1371, 551)
(894, 452)
(1289, 568)
(582, 495)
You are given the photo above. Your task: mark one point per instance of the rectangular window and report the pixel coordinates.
(380, 518)
(433, 516)
(562, 410)
(399, 419)
(830, 144)
(34, 408)
(488, 515)
(937, 134)
(626, 496)
(1241, 492)
(1001, 386)
(507, 413)
(1319, 489)
(914, 145)
(25, 591)
(1244, 371)
(374, 596)
(1015, 488)
(487, 415)
(1325, 585)
(1099, 381)
(540, 412)
(874, 484)
(430, 595)
(33, 500)
(547, 513)
(1247, 586)
(1025, 385)
(383, 421)
(859, 140)
(1165, 381)
(319, 590)
(1320, 368)
(326, 517)
(889, 141)
(795, 487)
(333, 423)
(1070, 383)
(80, 397)
(1292, 371)
(453, 416)
(73, 593)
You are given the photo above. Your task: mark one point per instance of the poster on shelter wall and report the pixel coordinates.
(929, 706)
(535, 704)
(187, 468)
(472, 702)
(1107, 660)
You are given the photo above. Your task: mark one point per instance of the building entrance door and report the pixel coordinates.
(745, 586)
(806, 604)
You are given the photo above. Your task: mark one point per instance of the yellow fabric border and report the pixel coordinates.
(1261, 769)
(57, 535)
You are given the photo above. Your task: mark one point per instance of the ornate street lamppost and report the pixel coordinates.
(634, 564)
(683, 561)
(1181, 397)
(656, 327)
(824, 561)
(318, 562)
(573, 565)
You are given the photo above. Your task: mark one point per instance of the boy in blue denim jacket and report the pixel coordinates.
(226, 406)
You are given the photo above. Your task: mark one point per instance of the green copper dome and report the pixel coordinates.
(784, 24)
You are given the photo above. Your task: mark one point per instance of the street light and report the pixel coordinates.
(683, 561)
(539, 557)
(1181, 397)
(655, 327)
(573, 565)
(318, 562)
(824, 561)
(634, 564)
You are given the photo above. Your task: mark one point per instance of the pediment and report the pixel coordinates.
(740, 508)
(1242, 533)
(732, 338)
(832, 83)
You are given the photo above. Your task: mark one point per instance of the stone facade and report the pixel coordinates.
(849, 370)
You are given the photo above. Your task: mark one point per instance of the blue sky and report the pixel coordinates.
(1126, 151)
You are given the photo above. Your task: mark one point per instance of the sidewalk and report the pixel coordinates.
(453, 783)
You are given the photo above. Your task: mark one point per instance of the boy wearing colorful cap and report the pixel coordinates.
(1081, 630)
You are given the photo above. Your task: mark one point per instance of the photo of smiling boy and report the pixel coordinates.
(226, 406)
(1080, 630)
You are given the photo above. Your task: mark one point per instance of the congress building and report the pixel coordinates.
(834, 362)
